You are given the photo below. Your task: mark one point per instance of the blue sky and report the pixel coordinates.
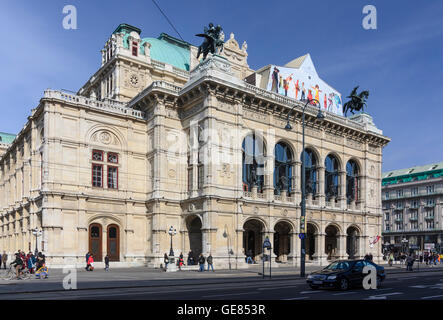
(400, 63)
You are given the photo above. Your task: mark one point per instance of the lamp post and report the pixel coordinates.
(226, 235)
(37, 233)
(172, 232)
(303, 184)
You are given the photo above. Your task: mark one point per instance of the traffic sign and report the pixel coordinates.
(267, 243)
(301, 235)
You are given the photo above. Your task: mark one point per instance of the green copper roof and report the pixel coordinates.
(165, 48)
(417, 173)
(169, 50)
(126, 28)
(6, 137)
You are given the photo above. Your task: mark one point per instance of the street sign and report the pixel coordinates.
(302, 224)
(301, 235)
(267, 243)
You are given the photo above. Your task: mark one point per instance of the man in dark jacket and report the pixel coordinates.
(201, 262)
(18, 264)
(87, 258)
(209, 260)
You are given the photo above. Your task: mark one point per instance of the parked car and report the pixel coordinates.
(343, 274)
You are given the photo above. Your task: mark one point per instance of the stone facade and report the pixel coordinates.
(412, 206)
(174, 141)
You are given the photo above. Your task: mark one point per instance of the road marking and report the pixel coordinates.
(383, 296)
(229, 294)
(407, 278)
(431, 297)
(275, 288)
(305, 292)
(297, 298)
(419, 286)
(343, 293)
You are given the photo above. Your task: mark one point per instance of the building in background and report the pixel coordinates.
(156, 139)
(6, 139)
(413, 208)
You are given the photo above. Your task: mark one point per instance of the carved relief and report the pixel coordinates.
(105, 137)
(354, 144)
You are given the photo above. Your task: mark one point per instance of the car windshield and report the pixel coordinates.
(339, 265)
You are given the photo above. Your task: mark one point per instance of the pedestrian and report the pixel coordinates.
(181, 261)
(391, 259)
(106, 263)
(366, 257)
(209, 260)
(87, 259)
(90, 266)
(31, 262)
(166, 260)
(4, 259)
(201, 262)
(249, 257)
(409, 262)
(370, 257)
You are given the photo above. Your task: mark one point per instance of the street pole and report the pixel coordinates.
(303, 184)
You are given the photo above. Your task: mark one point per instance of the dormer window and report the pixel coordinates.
(134, 49)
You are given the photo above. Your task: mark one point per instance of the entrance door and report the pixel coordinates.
(113, 243)
(95, 241)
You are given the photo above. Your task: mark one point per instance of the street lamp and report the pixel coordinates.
(226, 235)
(288, 127)
(172, 232)
(37, 233)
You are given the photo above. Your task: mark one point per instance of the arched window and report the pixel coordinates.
(253, 162)
(310, 172)
(351, 181)
(282, 168)
(331, 177)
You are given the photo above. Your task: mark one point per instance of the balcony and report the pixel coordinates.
(429, 217)
(399, 208)
(429, 205)
(399, 220)
(413, 219)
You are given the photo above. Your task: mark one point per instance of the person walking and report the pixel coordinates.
(90, 266)
(249, 257)
(87, 259)
(106, 263)
(201, 262)
(391, 259)
(209, 260)
(166, 261)
(409, 262)
(181, 261)
(4, 259)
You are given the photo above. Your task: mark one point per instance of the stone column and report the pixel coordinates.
(319, 254)
(296, 182)
(342, 190)
(342, 246)
(321, 186)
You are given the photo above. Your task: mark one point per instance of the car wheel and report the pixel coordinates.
(344, 284)
(314, 287)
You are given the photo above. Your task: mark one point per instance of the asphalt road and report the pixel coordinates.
(398, 286)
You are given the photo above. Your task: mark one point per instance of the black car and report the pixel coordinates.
(343, 274)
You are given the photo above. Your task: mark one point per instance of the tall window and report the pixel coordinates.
(430, 189)
(97, 175)
(102, 161)
(310, 171)
(352, 181)
(414, 191)
(282, 168)
(134, 49)
(253, 163)
(331, 177)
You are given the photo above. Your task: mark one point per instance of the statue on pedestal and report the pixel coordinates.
(213, 42)
(357, 102)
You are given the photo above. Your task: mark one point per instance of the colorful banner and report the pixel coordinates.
(302, 85)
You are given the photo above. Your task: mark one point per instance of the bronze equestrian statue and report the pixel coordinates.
(212, 41)
(357, 102)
